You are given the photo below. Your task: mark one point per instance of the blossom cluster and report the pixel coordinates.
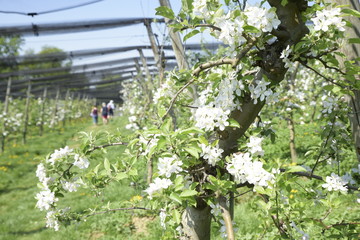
(232, 25)
(260, 91)
(132, 123)
(245, 169)
(215, 106)
(168, 166)
(326, 18)
(211, 154)
(166, 90)
(335, 183)
(46, 198)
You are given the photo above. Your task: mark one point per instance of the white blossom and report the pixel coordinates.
(211, 154)
(58, 154)
(335, 183)
(168, 166)
(329, 104)
(158, 185)
(255, 146)
(285, 56)
(162, 216)
(245, 170)
(81, 162)
(71, 186)
(215, 209)
(46, 199)
(261, 18)
(259, 91)
(327, 17)
(52, 220)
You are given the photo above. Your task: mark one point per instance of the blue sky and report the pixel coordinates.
(107, 9)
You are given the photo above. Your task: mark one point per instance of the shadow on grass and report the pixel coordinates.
(8, 190)
(28, 232)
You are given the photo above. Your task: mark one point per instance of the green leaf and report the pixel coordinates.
(96, 169)
(284, 2)
(190, 34)
(121, 176)
(354, 40)
(188, 193)
(133, 172)
(161, 110)
(352, 12)
(165, 12)
(194, 151)
(295, 169)
(107, 166)
(191, 130)
(175, 197)
(233, 123)
(176, 216)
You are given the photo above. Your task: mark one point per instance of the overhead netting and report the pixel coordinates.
(73, 27)
(91, 79)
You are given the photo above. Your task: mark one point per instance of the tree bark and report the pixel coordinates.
(196, 223)
(27, 107)
(42, 112)
(6, 109)
(352, 51)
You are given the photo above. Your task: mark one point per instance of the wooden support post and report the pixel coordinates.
(175, 41)
(157, 54)
(27, 107)
(53, 119)
(6, 109)
(42, 112)
(66, 106)
(144, 63)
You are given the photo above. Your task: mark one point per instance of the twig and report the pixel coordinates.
(323, 76)
(202, 25)
(322, 149)
(327, 66)
(233, 61)
(107, 145)
(175, 96)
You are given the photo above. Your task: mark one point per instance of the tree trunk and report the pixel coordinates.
(352, 51)
(292, 145)
(196, 223)
(42, 112)
(6, 109)
(27, 107)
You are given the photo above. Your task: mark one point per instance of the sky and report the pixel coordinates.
(106, 9)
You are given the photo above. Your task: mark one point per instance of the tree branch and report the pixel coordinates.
(175, 96)
(107, 145)
(227, 218)
(233, 61)
(201, 25)
(323, 76)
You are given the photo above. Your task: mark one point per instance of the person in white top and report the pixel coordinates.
(111, 108)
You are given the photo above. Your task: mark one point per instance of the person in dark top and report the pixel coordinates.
(94, 115)
(104, 113)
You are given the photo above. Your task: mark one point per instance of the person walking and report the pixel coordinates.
(104, 113)
(111, 108)
(94, 115)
